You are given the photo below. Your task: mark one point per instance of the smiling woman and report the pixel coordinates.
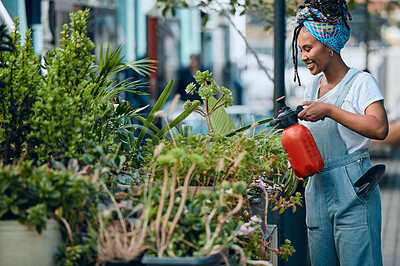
(344, 111)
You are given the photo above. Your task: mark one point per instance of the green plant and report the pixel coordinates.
(217, 119)
(236, 158)
(258, 161)
(207, 88)
(124, 238)
(185, 226)
(65, 106)
(116, 125)
(19, 88)
(33, 194)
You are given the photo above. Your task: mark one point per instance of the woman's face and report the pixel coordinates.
(314, 53)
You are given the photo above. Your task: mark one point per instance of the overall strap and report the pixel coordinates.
(315, 87)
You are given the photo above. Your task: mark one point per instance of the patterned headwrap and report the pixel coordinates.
(334, 33)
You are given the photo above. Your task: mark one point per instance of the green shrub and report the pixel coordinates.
(65, 106)
(21, 76)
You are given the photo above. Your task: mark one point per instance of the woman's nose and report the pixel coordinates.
(303, 57)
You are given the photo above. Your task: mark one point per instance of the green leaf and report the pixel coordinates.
(263, 121)
(221, 122)
(157, 107)
(179, 119)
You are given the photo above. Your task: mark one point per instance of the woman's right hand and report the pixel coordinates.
(314, 111)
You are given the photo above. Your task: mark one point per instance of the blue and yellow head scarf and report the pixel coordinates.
(334, 33)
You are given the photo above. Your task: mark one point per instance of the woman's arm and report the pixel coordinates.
(373, 124)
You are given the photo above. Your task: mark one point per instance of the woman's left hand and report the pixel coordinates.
(314, 111)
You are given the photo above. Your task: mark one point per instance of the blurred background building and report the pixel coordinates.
(144, 33)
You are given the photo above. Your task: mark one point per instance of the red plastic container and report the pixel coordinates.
(302, 150)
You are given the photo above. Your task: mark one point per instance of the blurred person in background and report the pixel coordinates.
(185, 77)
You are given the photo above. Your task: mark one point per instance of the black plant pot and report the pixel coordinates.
(134, 262)
(213, 260)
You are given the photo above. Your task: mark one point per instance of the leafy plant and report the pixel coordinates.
(65, 107)
(20, 78)
(207, 88)
(34, 194)
(258, 161)
(116, 126)
(184, 226)
(124, 238)
(217, 119)
(236, 158)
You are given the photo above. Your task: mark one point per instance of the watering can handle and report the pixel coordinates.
(298, 109)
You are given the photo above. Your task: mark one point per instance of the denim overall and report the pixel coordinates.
(343, 229)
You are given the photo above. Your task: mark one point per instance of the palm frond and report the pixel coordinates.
(143, 67)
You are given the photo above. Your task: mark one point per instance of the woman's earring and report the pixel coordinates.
(330, 53)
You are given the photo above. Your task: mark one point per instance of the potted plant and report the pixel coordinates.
(36, 128)
(54, 112)
(183, 228)
(258, 160)
(40, 198)
(123, 230)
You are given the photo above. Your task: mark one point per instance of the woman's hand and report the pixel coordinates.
(315, 111)
(373, 124)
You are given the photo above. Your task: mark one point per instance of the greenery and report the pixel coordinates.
(74, 151)
(20, 80)
(236, 158)
(32, 195)
(65, 105)
(258, 161)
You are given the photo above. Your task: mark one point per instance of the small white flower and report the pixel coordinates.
(256, 219)
(229, 191)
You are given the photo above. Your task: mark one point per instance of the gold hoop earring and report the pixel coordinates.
(330, 53)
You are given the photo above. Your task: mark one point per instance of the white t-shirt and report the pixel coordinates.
(363, 92)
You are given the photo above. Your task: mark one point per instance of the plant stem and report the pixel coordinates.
(182, 203)
(161, 205)
(168, 213)
(216, 107)
(221, 221)
(208, 117)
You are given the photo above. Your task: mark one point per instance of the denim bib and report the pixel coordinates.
(326, 133)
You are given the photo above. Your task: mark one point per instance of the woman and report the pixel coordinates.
(343, 110)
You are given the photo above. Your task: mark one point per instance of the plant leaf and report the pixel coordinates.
(157, 107)
(176, 121)
(260, 122)
(221, 122)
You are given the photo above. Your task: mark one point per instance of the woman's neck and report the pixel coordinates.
(332, 76)
(336, 71)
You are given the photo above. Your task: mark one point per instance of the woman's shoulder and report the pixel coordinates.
(363, 74)
(365, 79)
(364, 91)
